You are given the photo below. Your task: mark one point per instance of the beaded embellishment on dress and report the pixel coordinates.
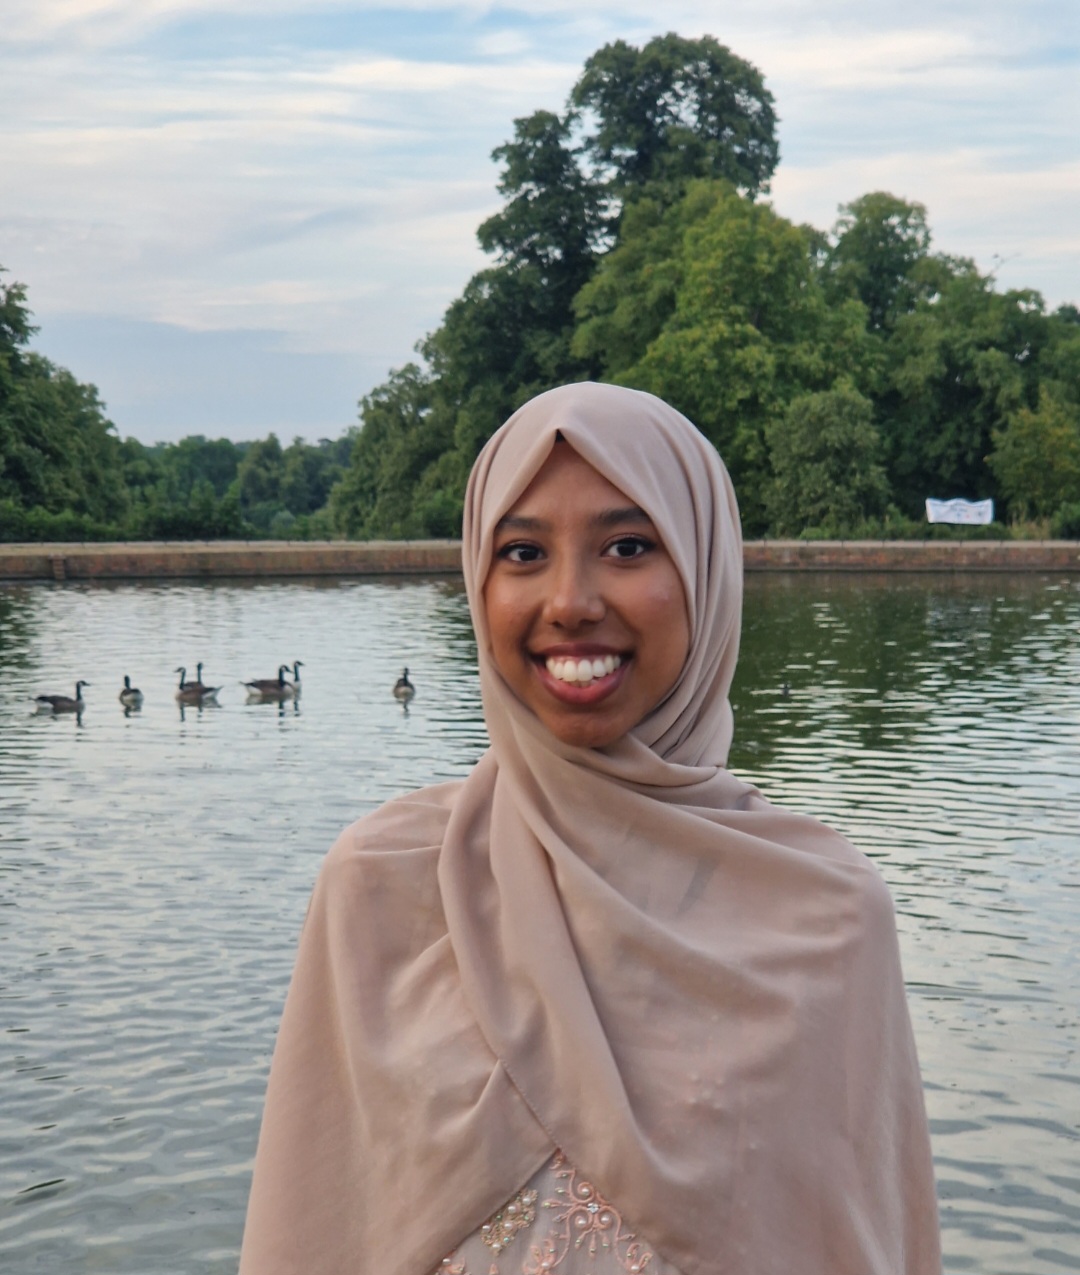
(584, 1221)
(574, 1231)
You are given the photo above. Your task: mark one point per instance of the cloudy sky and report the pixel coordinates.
(237, 215)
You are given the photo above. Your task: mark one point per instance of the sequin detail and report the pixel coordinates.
(579, 1233)
(514, 1216)
(584, 1220)
(497, 1232)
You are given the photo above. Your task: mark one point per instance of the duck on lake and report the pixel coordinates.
(195, 692)
(62, 703)
(403, 688)
(273, 688)
(130, 696)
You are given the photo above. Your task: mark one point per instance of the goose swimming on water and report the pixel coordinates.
(130, 696)
(195, 692)
(297, 666)
(62, 703)
(403, 688)
(274, 688)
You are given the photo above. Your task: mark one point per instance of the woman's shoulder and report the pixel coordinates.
(413, 822)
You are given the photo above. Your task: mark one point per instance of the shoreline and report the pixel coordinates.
(241, 559)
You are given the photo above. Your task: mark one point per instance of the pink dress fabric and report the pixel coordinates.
(625, 955)
(559, 1223)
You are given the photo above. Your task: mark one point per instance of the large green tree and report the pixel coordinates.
(675, 110)
(697, 110)
(881, 254)
(714, 305)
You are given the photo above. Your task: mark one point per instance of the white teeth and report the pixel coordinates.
(582, 672)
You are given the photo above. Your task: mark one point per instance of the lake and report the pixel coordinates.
(155, 867)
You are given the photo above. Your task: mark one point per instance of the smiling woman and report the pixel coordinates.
(599, 1007)
(584, 605)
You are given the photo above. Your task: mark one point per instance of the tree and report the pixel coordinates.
(879, 255)
(714, 305)
(1036, 457)
(696, 109)
(675, 110)
(58, 451)
(399, 439)
(826, 462)
(956, 368)
(552, 220)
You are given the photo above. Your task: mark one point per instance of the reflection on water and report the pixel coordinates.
(155, 865)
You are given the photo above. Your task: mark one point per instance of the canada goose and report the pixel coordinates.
(198, 682)
(403, 688)
(130, 696)
(297, 666)
(62, 703)
(195, 692)
(271, 687)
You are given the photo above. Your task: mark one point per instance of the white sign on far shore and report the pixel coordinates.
(971, 513)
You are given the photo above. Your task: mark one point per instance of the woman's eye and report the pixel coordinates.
(629, 547)
(519, 553)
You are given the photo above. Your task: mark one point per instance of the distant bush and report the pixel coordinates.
(1065, 524)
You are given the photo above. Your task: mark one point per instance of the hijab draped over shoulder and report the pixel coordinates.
(624, 953)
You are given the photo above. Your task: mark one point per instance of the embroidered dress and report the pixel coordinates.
(557, 1222)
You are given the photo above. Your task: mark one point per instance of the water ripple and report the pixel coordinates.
(155, 867)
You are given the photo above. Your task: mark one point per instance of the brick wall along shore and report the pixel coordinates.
(186, 560)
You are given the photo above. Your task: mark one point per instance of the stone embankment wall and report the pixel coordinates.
(224, 559)
(228, 559)
(912, 555)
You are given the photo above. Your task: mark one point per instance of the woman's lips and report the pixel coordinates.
(587, 687)
(583, 669)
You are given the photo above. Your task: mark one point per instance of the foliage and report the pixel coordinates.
(553, 218)
(732, 322)
(374, 497)
(845, 375)
(675, 110)
(880, 255)
(64, 475)
(1065, 524)
(957, 367)
(58, 452)
(1036, 456)
(640, 125)
(825, 454)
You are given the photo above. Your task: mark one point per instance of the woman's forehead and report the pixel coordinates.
(567, 481)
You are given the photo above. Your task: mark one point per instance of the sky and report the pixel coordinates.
(237, 216)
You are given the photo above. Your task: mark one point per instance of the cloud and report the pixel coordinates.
(313, 171)
(977, 207)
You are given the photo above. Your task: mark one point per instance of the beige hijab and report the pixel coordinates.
(624, 953)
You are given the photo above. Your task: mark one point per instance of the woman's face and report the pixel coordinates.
(585, 609)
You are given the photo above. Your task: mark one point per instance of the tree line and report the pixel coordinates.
(65, 475)
(844, 375)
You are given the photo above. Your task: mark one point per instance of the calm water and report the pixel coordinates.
(155, 870)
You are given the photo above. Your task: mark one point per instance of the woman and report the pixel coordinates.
(599, 1007)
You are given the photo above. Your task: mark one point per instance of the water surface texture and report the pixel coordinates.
(155, 867)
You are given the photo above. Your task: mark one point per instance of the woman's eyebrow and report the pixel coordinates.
(605, 518)
(614, 517)
(518, 522)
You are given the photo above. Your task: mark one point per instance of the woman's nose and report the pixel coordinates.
(575, 597)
